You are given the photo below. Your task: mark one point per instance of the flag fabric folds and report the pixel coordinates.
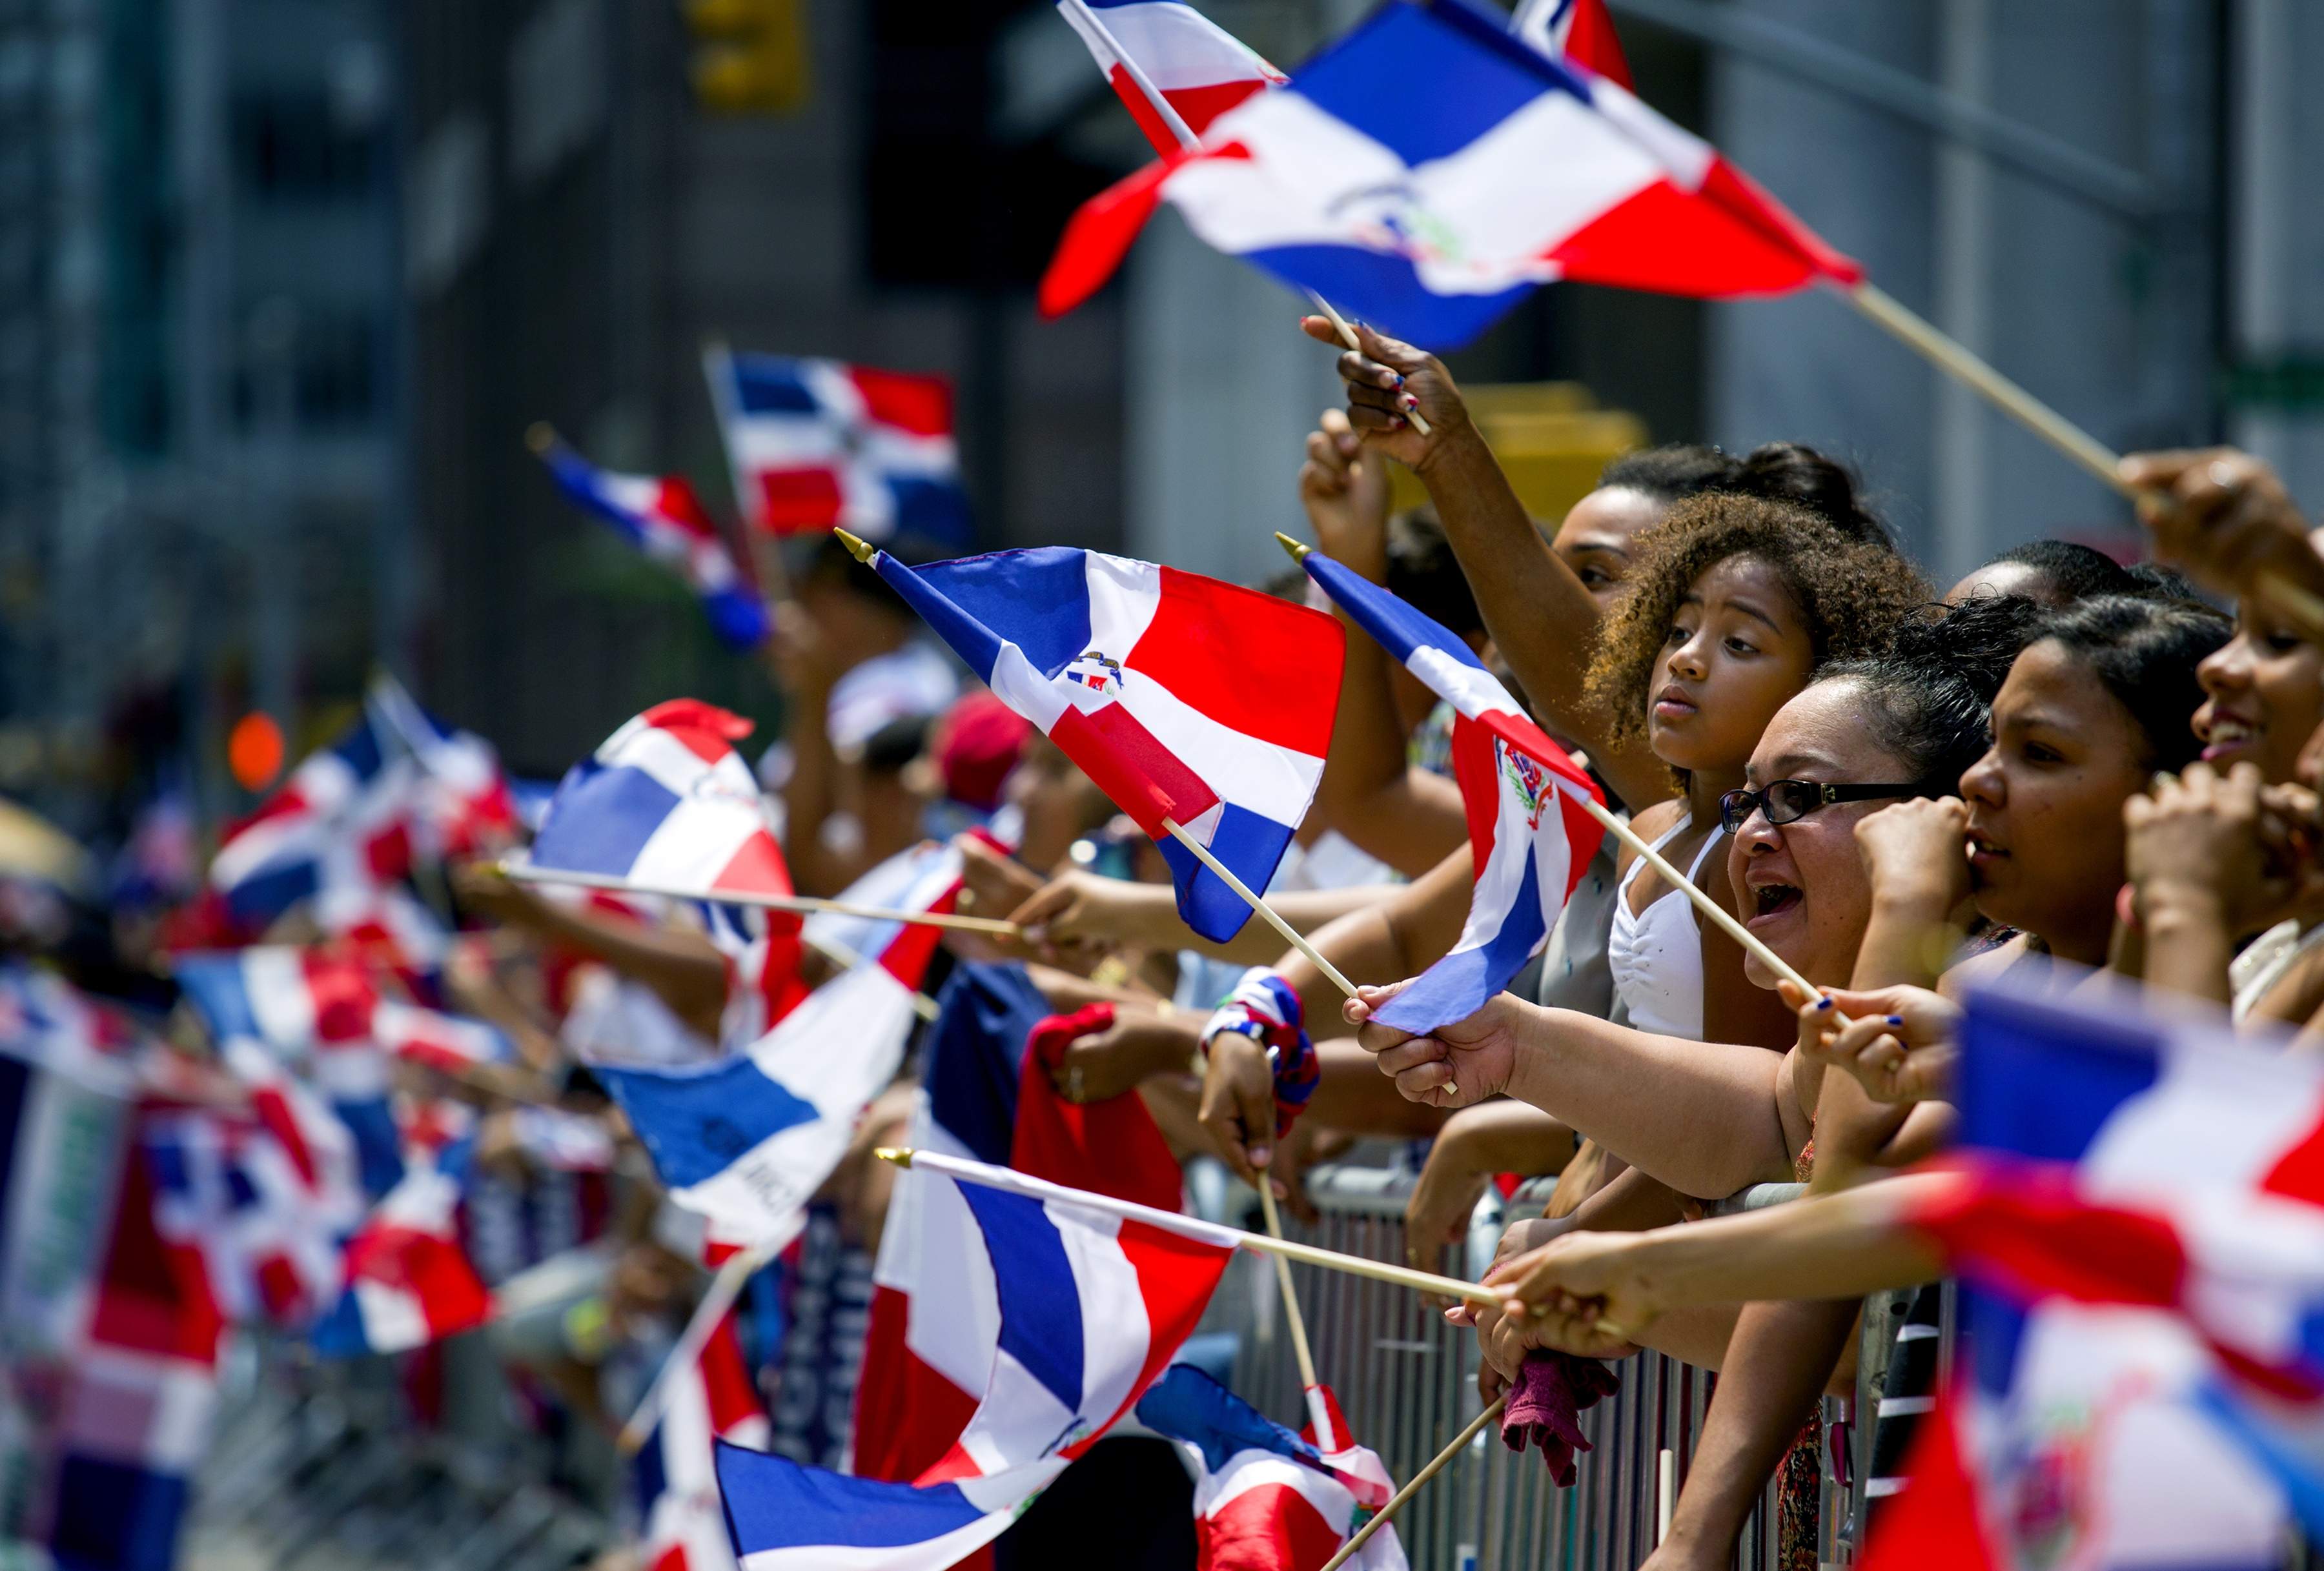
(818, 444)
(677, 1481)
(746, 1141)
(2140, 1222)
(1577, 31)
(1265, 1498)
(409, 1279)
(1075, 1312)
(342, 814)
(1183, 697)
(924, 878)
(662, 517)
(1427, 169)
(1196, 67)
(1528, 832)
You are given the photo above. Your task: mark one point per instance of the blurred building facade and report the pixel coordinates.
(282, 282)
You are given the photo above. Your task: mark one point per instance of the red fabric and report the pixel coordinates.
(919, 404)
(704, 730)
(907, 1414)
(796, 501)
(2021, 1228)
(1545, 1408)
(1592, 43)
(1111, 1148)
(2299, 1174)
(979, 742)
(151, 1296)
(1270, 1528)
(1932, 1524)
(1729, 238)
(726, 1380)
(679, 507)
(1251, 662)
(1099, 234)
(1136, 772)
(429, 1266)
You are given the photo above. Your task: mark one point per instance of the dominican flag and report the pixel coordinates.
(1076, 1310)
(1528, 832)
(409, 1280)
(450, 1042)
(1174, 69)
(668, 803)
(746, 1141)
(818, 444)
(462, 804)
(2142, 1218)
(286, 996)
(381, 925)
(1267, 1499)
(675, 1475)
(1429, 170)
(925, 878)
(1183, 698)
(1577, 31)
(662, 517)
(986, 1095)
(344, 815)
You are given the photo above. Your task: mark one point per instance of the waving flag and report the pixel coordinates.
(1078, 1312)
(286, 996)
(663, 517)
(746, 1141)
(1183, 698)
(1428, 170)
(462, 804)
(667, 801)
(1528, 832)
(924, 878)
(2142, 1224)
(1577, 31)
(409, 1280)
(816, 444)
(1266, 1499)
(676, 1475)
(1193, 67)
(345, 814)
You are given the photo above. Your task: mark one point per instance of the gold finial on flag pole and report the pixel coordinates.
(1298, 552)
(901, 1155)
(862, 550)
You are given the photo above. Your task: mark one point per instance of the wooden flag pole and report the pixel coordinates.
(1167, 113)
(840, 954)
(1291, 934)
(1193, 1227)
(1326, 1437)
(1615, 825)
(1952, 355)
(526, 873)
(1396, 1503)
(724, 1290)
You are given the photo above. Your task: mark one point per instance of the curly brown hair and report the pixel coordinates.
(1850, 593)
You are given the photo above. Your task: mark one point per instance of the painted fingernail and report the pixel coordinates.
(1396, 422)
(1823, 1003)
(1409, 401)
(1395, 379)
(1895, 1020)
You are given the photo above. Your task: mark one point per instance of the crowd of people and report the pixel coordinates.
(2061, 769)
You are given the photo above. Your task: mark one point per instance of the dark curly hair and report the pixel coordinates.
(1773, 472)
(1928, 698)
(1851, 593)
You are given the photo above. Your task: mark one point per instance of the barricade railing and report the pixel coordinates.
(1407, 1384)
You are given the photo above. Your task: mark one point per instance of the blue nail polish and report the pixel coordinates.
(1895, 1020)
(1823, 1003)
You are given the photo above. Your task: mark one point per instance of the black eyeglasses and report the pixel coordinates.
(1789, 801)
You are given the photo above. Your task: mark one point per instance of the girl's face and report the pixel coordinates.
(1595, 538)
(2045, 831)
(1735, 652)
(2265, 689)
(1801, 885)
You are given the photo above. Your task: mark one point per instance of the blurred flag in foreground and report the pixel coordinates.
(1166, 50)
(343, 815)
(1578, 31)
(816, 444)
(676, 1477)
(1266, 1499)
(1183, 698)
(1428, 170)
(1531, 838)
(2143, 1232)
(662, 517)
(1082, 1307)
(409, 1278)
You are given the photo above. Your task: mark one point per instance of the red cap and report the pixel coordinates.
(979, 741)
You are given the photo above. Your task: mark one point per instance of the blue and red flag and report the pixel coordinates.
(1196, 68)
(661, 516)
(409, 1279)
(2140, 1225)
(1183, 698)
(818, 444)
(1528, 830)
(1576, 31)
(1428, 170)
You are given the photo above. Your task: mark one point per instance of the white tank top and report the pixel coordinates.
(1657, 954)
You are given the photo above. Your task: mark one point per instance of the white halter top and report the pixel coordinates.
(1657, 954)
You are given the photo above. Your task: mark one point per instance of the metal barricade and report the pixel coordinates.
(1407, 1384)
